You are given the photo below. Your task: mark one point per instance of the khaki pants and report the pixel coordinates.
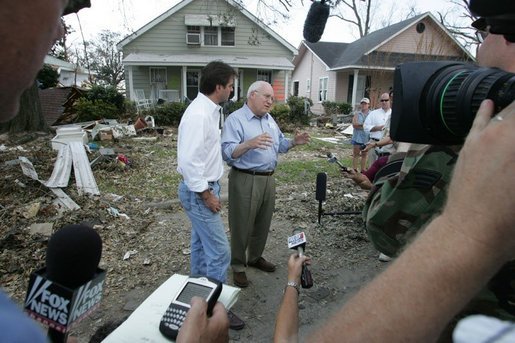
(251, 205)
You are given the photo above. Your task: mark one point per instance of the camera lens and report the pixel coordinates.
(436, 102)
(455, 94)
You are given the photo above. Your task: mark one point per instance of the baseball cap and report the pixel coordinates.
(366, 100)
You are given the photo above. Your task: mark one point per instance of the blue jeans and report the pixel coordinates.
(210, 252)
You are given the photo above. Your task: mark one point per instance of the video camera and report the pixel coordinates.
(436, 102)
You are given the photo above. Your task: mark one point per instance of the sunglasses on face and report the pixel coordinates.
(385, 100)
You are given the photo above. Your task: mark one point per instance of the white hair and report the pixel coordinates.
(256, 86)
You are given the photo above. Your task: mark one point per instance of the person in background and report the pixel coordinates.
(359, 136)
(199, 161)
(251, 142)
(375, 122)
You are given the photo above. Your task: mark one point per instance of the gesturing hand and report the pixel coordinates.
(263, 141)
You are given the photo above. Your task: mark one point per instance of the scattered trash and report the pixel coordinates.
(348, 195)
(115, 213)
(44, 229)
(146, 262)
(31, 210)
(186, 251)
(129, 253)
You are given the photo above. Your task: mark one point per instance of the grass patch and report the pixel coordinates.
(304, 171)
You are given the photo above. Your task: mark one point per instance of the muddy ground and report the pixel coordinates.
(155, 237)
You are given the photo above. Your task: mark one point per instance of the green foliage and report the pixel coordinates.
(47, 77)
(88, 110)
(167, 114)
(281, 113)
(231, 106)
(299, 112)
(332, 107)
(109, 95)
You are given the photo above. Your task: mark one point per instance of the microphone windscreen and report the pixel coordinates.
(321, 186)
(73, 254)
(315, 21)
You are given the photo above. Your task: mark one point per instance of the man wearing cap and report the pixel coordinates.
(375, 122)
(359, 136)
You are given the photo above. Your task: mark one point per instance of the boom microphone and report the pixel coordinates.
(70, 286)
(315, 21)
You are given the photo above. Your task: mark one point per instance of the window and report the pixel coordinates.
(322, 89)
(211, 35)
(158, 75)
(193, 35)
(295, 88)
(264, 75)
(308, 85)
(192, 83)
(227, 36)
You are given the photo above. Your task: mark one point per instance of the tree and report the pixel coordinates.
(457, 21)
(47, 77)
(105, 60)
(29, 117)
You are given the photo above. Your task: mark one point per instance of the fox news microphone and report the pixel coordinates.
(70, 286)
(315, 21)
(298, 241)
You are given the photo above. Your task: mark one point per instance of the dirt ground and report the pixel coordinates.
(155, 238)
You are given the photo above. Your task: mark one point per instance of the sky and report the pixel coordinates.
(125, 16)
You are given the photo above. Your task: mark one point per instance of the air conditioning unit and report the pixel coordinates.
(193, 38)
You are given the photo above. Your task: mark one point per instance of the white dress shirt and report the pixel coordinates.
(376, 118)
(199, 156)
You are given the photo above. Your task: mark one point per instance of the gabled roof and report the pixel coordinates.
(356, 54)
(184, 3)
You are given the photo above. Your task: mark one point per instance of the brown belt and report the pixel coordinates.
(254, 172)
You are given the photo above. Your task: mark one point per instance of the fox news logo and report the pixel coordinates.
(52, 303)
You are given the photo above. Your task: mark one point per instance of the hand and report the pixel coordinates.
(369, 146)
(295, 264)
(199, 328)
(483, 211)
(301, 138)
(212, 202)
(263, 141)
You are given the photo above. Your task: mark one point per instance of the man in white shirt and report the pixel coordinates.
(375, 122)
(199, 160)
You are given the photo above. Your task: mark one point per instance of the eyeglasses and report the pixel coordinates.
(385, 100)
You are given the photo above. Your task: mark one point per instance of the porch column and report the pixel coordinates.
(236, 84)
(132, 96)
(354, 88)
(286, 85)
(183, 83)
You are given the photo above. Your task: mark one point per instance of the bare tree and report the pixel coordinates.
(457, 21)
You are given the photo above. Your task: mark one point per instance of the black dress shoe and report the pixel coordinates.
(263, 265)
(235, 323)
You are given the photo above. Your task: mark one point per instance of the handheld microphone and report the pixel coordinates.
(298, 241)
(70, 286)
(332, 159)
(315, 21)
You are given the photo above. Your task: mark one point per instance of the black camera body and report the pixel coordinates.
(436, 102)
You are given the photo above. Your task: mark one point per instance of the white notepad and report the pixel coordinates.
(143, 323)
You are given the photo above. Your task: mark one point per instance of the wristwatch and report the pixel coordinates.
(292, 284)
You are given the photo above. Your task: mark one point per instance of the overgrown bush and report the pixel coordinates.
(299, 109)
(281, 113)
(332, 107)
(47, 77)
(166, 114)
(107, 94)
(88, 110)
(231, 106)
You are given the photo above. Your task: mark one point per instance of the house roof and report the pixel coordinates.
(52, 101)
(359, 53)
(184, 3)
(142, 59)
